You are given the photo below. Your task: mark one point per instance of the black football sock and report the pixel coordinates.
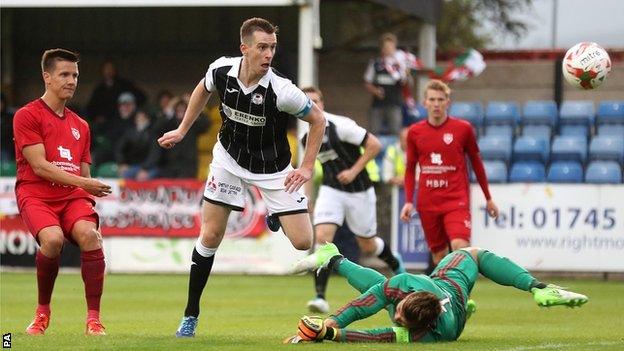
(200, 271)
(387, 256)
(320, 282)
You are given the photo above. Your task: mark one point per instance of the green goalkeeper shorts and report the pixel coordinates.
(457, 273)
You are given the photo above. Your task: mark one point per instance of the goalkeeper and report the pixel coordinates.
(423, 308)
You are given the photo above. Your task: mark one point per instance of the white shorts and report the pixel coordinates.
(228, 182)
(358, 209)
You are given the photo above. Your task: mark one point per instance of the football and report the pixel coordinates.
(586, 65)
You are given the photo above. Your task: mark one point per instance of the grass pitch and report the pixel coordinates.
(142, 312)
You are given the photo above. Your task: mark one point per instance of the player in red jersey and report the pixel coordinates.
(439, 144)
(54, 187)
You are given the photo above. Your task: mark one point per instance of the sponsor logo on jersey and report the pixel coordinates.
(448, 138)
(75, 133)
(436, 183)
(257, 98)
(211, 185)
(65, 153)
(243, 117)
(436, 158)
(231, 90)
(467, 223)
(328, 155)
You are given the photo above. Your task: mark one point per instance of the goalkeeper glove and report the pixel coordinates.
(311, 328)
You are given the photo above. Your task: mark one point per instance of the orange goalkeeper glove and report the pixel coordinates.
(311, 328)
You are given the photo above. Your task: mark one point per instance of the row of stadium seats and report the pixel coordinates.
(538, 148)
(540, 112)
(597, 172)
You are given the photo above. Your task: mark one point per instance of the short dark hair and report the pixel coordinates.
(254, 24)
(314, 90)
(51, 56)
(421, 310)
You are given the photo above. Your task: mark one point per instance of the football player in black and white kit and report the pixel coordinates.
(252, 149)
(346, 192)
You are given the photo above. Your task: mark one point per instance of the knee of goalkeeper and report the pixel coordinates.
(313, 328)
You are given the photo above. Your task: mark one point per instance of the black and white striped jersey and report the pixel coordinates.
(255, 118)
(340, 150)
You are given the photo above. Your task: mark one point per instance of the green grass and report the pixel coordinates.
(141, 312)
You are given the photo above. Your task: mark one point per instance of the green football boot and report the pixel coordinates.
(318, 260)
(553, 295)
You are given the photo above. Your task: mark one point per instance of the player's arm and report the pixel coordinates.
(410, 177)
(85, 170)
(472, 149)
(35, 155)
(199, 99)
(372, 146)
(298, 177)
(366, 305)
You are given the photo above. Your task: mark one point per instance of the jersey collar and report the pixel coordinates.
(264, 81)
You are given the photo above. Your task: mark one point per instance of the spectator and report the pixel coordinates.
(182, 161)
(102, 106)
(133, 151)
(107, 133)
(163, 110)
(394, 161)
(384, 78)
(6, 126)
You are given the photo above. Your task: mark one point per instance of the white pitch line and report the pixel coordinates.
(560, 345)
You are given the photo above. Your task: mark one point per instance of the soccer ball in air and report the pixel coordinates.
(586, 65)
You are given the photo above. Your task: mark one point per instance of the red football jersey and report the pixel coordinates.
(440, 152)
(67, 143)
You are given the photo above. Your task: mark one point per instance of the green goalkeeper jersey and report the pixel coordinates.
(389, 294)
(451, 282)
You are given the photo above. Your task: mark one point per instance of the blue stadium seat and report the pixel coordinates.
(502, 112)
(577, 112)
(611, 129)
(611, 112)
(500, 130)
(538, 131)
(574, 130)
(527, 172)
(606, 148)
(603, 172)
(496, 171)
(495, 148)
(528, 148)
(566, 148)
(565, 172)
(470, 111)
(540, 112)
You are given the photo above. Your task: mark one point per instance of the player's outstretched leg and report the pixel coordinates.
(317, 260)
(503, 271)
(328, 257)
(553, 295)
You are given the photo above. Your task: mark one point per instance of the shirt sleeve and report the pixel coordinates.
(366, 305)
(410, 167)
(349, 131)
(26, 129)
(86, 154)
(292, 100)
(472, 149)
(209, 78)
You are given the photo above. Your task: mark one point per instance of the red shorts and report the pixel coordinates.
(442, 227)
(38, 214)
